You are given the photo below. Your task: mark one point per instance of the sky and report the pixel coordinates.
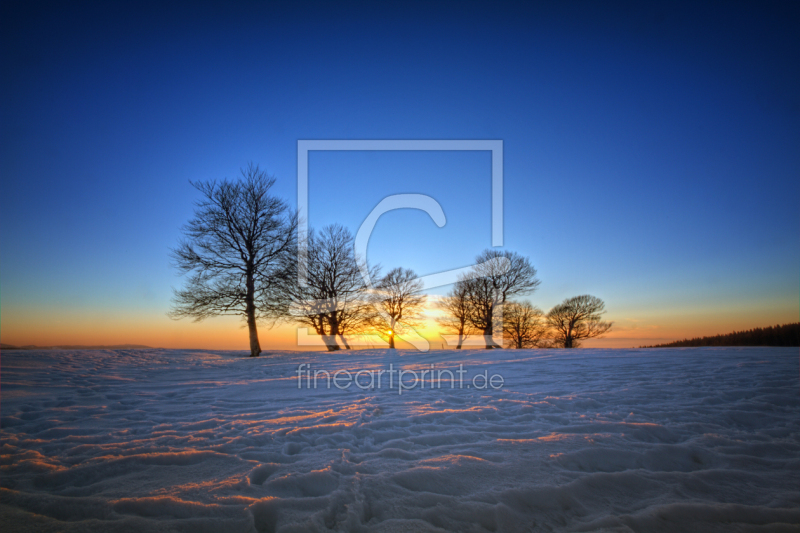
(651, 154)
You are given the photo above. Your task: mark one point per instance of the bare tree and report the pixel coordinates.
(456, 313)
(577, 318)
(233, 249)
(483, 303)
(510, 273)
(399, 303)
(497, 276)
(523, 325)
(334, 302)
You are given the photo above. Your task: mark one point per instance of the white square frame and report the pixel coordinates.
(304, 146)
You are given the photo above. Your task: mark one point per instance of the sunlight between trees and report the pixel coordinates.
(240, 255)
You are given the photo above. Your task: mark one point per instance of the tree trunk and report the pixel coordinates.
(250, 310)
(333, 328)
(488, 332)
(330, 342)
(487, 335)
(568, 338)
(392, 324)
(344, 341)
(462, 326)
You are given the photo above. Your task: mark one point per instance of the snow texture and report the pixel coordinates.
(651, 440)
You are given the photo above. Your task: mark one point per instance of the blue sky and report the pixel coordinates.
(650, 153)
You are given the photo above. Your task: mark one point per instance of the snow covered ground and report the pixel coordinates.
(583, 440)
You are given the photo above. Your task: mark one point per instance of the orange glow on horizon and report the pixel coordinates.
(54, 327)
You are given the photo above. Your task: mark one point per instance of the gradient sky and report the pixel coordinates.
(651, 154)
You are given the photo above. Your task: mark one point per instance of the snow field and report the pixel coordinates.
(580, 440)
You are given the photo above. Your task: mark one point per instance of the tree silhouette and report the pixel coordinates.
(577, 318)
(456, 313)
(233, 249)
(399, 302)
(523, 325)
(778, 335)
(335, 301)
(496, 277)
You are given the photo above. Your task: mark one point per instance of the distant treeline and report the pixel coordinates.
(785, 335)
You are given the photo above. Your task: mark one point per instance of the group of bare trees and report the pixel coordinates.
(336, 301)
(240, 252)
(480, 304)
(476, 303)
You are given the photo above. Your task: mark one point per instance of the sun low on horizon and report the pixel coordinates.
(436, 266)
(655, 170)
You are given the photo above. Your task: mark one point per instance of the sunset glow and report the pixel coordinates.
(485, 266)
(676, 206)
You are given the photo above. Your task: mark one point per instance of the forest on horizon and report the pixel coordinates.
(778, 335)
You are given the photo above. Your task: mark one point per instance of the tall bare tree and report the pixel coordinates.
(233, 250)
(577, 318)
(399, 303)
(335, 301)
(523, 325)
(456, 313)
(497, 276)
